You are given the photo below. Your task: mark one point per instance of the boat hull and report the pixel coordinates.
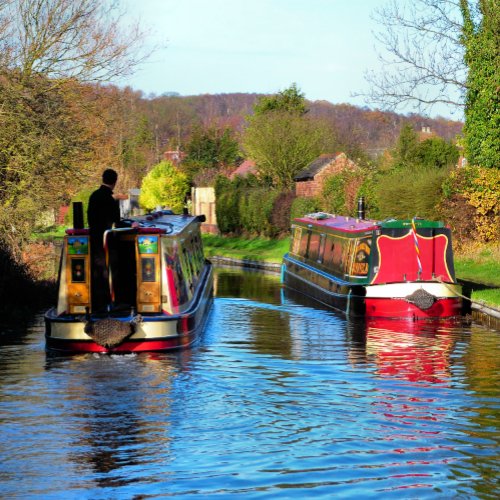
(392, 301)
(154, 332)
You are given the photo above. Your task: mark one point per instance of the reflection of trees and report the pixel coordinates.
(119, 422)
(270, 332)
(247, 284)
(481, 376)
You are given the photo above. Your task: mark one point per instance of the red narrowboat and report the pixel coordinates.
(385, 269)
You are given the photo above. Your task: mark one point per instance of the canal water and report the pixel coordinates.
(279, 399)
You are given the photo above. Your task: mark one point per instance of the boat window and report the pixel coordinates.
(328, 250)
(297, 233)
(339, 251)
(304, 240)
(322, 244)
(313, 250)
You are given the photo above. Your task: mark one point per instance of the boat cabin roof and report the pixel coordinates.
(160, 222)
(173, 224)
(352, 225)
(338, 222)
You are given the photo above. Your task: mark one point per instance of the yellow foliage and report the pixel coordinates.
(484, 195)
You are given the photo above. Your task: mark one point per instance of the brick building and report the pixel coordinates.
(309, 182)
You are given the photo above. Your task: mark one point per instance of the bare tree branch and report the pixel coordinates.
(69, 39)
(423, 61)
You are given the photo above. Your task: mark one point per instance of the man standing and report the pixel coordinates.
(103, 211)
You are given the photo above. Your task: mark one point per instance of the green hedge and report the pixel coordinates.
(243, 206)
(302, 206)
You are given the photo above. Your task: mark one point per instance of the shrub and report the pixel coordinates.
(302, 206)
(407, 193)
(280, 215)
(164, 186)
(476, 191)
(340, 192)
(227, 205)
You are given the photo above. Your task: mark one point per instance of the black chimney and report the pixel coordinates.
(77, 215)
(361, 208)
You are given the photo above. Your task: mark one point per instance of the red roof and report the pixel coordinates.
(247, 167)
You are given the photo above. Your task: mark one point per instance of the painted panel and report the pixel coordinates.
(147, 244)
(78, 245)
(398, 258)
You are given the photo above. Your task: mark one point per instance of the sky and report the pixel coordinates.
(258, 46)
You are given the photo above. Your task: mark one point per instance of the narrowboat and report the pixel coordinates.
(160, 288)
(386, 269)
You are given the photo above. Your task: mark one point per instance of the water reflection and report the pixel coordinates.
(279, 398)
(119, 422)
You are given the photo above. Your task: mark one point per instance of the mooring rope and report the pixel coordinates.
(478, 303)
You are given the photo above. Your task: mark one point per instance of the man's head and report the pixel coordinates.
(109, 177)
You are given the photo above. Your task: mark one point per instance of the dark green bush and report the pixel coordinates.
(409, 192)
(280, 216)
(302, 206)
(245, 206)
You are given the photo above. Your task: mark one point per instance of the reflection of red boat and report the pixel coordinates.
(414, 351)
(387, 269)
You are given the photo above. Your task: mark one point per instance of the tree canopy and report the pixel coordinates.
(164, 186)
(211, 147)
(82, 39)
(290, 100)
(282, 139)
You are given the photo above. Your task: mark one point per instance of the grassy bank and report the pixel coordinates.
(481, 265)
(259, 249)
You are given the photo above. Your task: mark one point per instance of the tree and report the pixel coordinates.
(282, 144)
(47, 139)
(424, 64)
(164, 186)
(437, 153)
(61, 39)
(406, 147)
(40, 144)
(281, 139)
(444, 52)
(481, 38)
(211, 147)
(290, 100)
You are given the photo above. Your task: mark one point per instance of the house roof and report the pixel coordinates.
(314, 167)
(247, 167)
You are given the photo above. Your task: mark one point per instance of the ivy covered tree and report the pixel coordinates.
(481, 38)
(164, 186)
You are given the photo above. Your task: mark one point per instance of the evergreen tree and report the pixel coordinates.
(290, 100)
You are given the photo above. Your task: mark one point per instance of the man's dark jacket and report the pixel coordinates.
(103, 211)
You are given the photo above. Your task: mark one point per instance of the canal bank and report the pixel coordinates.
(484, 314)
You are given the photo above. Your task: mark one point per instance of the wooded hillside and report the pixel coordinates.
(173, 116)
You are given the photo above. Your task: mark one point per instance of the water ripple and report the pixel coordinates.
(279, 399)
